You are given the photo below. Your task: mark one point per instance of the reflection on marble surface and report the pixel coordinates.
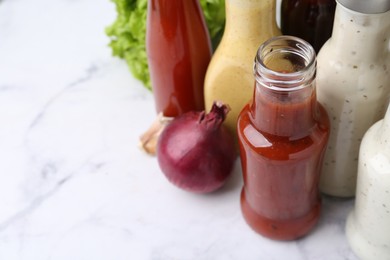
(73, 183)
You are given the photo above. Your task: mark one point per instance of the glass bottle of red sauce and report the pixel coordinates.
(282, 134)
(311, 20)
(179, 50)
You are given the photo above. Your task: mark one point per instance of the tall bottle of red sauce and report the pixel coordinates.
(282, 134)
(311, 20)
(179, 50)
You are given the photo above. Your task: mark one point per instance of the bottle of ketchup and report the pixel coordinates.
(179, 50)
(282, 135)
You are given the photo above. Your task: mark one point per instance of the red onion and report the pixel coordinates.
(196, 152)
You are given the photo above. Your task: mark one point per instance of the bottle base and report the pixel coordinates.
(361, 246)
(279, 229)
(341, 193)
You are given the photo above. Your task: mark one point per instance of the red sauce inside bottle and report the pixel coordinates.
(282, 144)
(179, 51)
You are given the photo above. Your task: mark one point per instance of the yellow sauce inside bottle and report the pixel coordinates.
(229, 77)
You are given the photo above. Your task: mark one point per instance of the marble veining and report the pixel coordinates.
(89, 72)
(73, 182)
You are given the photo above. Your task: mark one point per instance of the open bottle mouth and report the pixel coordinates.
(285, 63)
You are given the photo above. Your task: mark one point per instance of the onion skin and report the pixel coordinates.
(196, 152)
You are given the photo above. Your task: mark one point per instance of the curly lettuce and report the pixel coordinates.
(127, 33)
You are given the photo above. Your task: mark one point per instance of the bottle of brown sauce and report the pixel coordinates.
(311, 20)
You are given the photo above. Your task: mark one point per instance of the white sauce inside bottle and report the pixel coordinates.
(368, 225)
(353, 84)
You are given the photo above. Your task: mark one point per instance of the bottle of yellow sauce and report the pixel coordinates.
(229, 77)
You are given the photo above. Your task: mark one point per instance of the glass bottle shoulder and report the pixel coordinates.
(347, 74)
(282, 147)
(376, 143)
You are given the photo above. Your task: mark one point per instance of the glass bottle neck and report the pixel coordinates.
(361, 36)
(290, 114)
(165, 3)
(249, 18)
(284, 101)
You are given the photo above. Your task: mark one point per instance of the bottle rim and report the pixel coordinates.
(272, 79)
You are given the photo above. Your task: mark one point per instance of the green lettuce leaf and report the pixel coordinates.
(214, 13)
(127, 33)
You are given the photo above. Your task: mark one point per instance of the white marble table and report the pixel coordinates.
(73, 183)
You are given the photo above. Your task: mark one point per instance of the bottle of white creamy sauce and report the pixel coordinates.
(229, 77)
(353, 81)
(368, 225)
